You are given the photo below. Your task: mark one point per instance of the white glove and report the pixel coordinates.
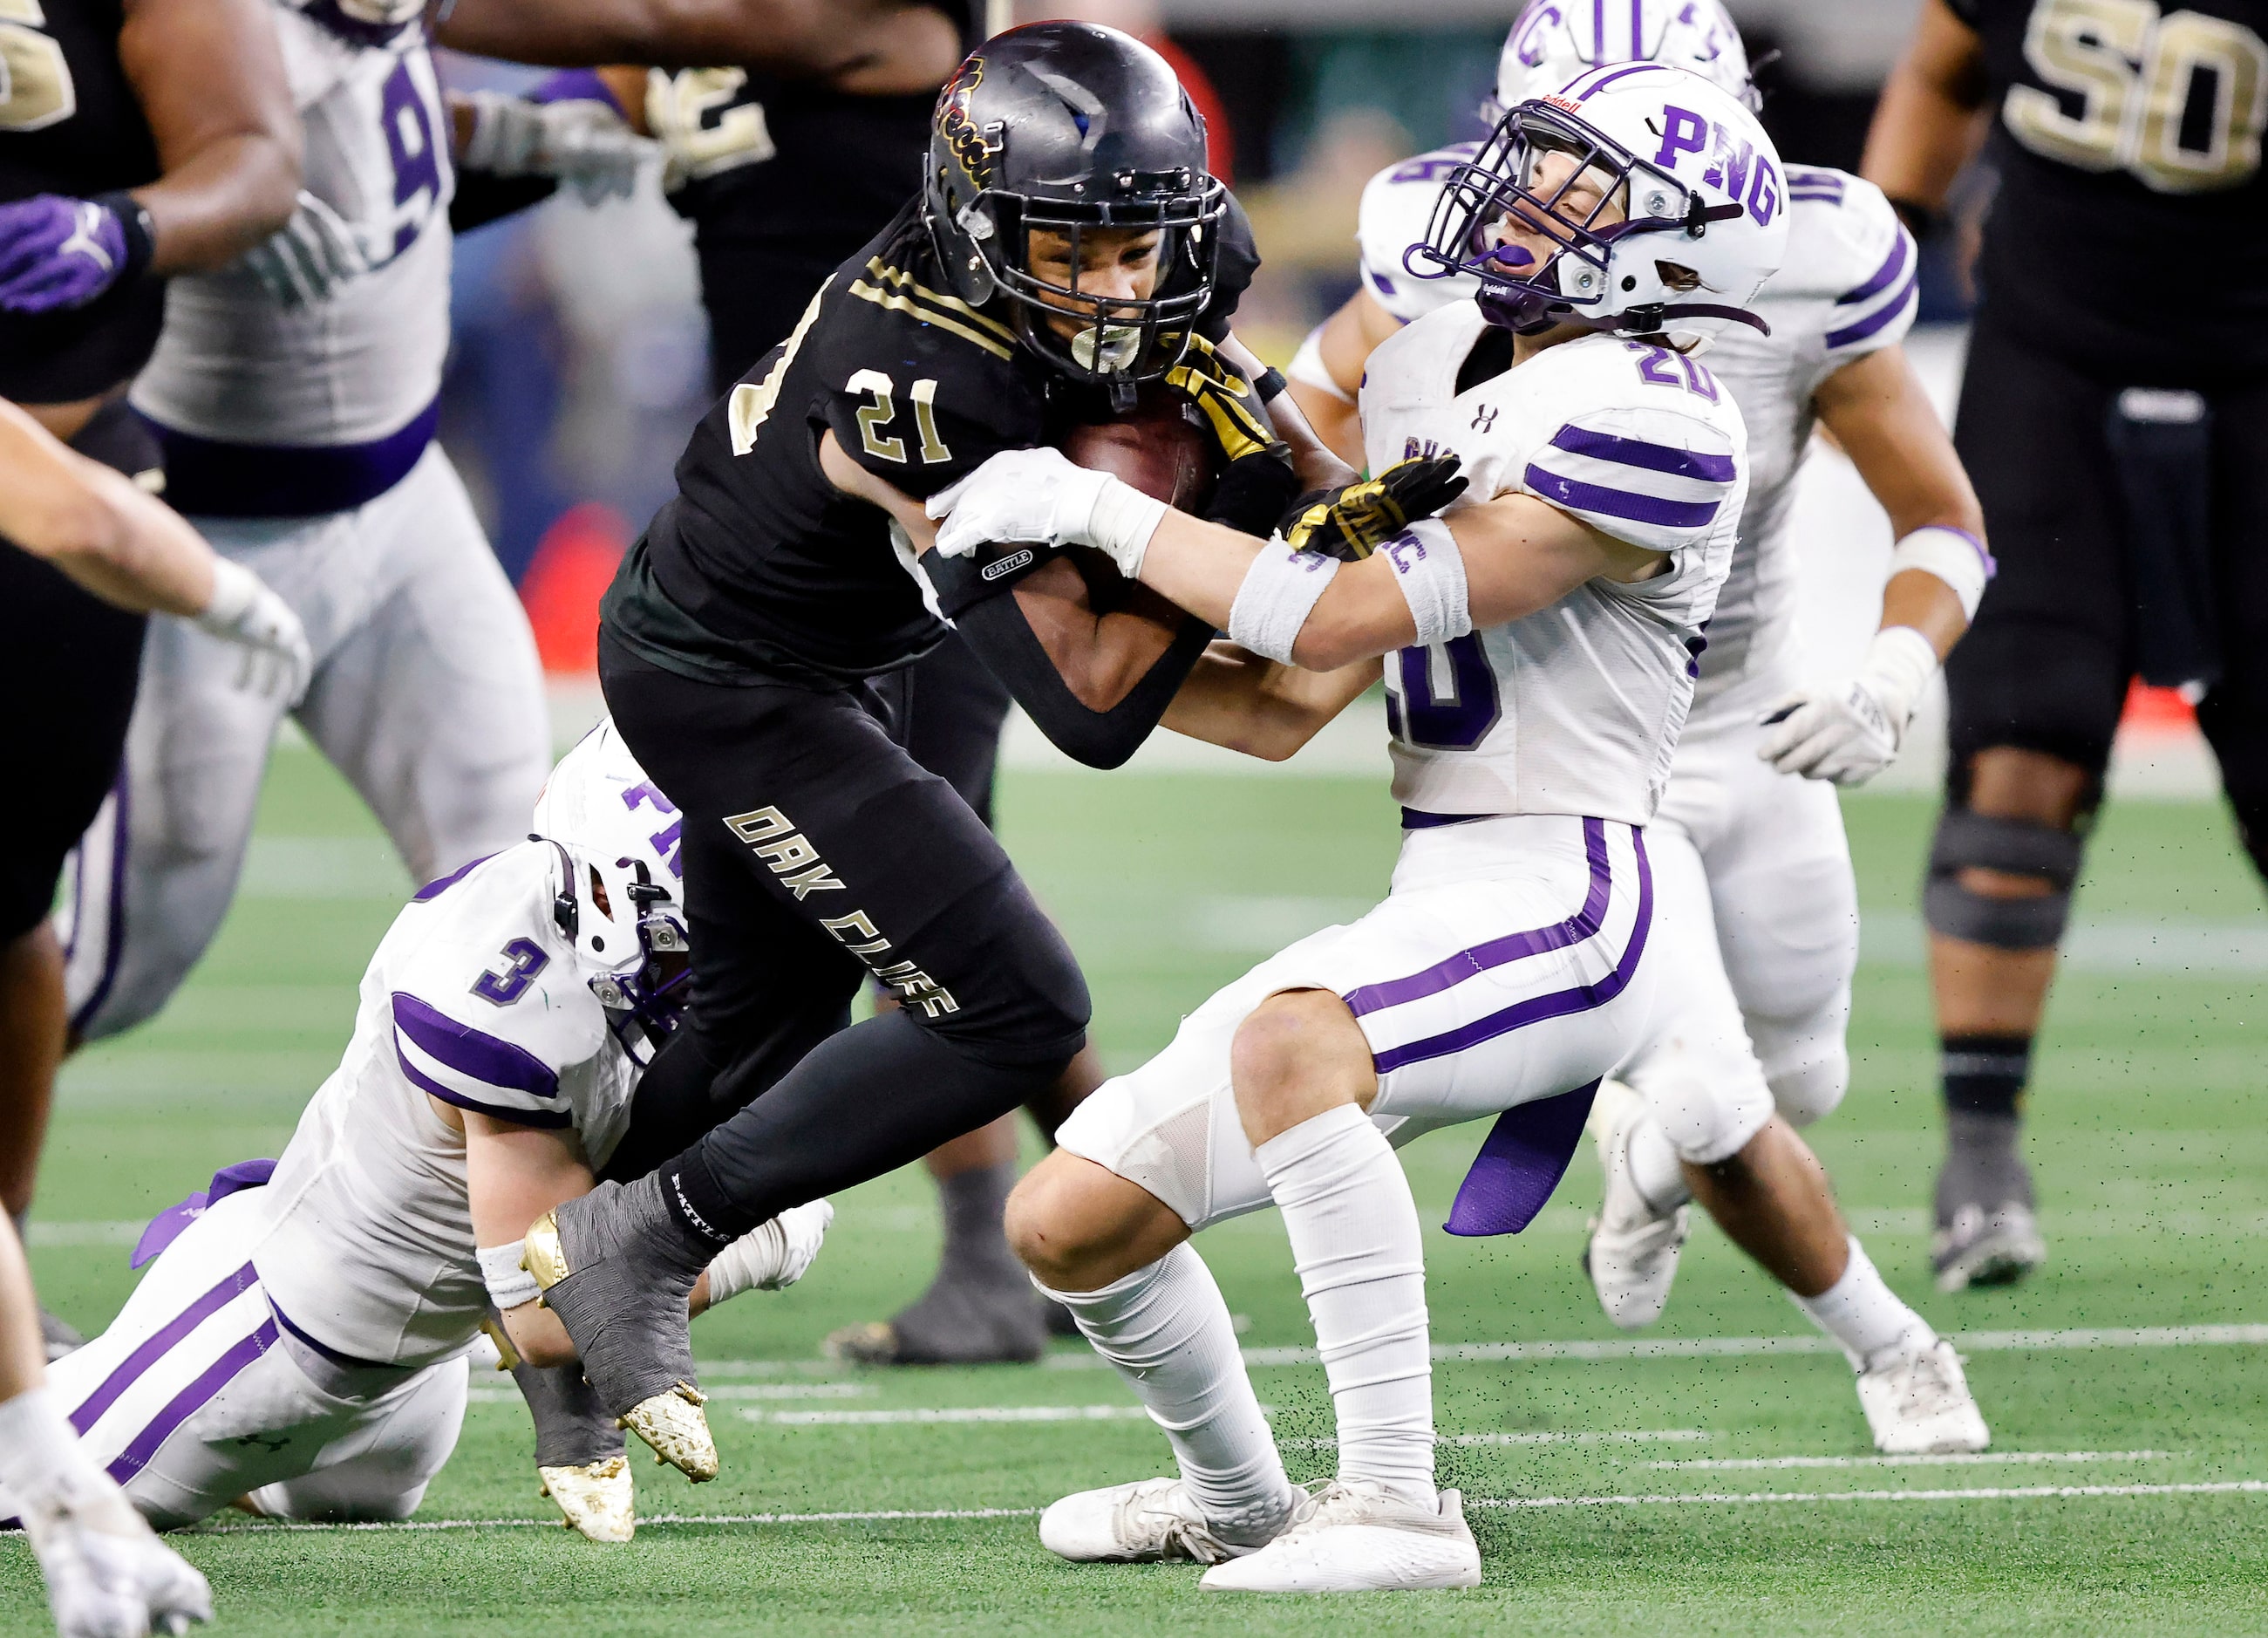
(311, 255)
(771, 1256)
(1039, 496)
(584, 144)
(244, 610)
(1848, 731)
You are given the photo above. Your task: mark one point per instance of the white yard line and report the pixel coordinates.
(1758, 1464)
(483, 1393)
(948, 1414)
(1534, 1436)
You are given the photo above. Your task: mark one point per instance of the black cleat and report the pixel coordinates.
(1986, 1232)
(961, 1319)
(57, 1337)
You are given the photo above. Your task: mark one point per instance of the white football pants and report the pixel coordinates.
(1512, 961)
(200, 1392)
(427, 694)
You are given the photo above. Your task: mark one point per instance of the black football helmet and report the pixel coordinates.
(1073, 126)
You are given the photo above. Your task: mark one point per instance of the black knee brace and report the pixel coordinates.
(1967, 840)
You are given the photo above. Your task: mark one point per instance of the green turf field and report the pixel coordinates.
(1715, 1483)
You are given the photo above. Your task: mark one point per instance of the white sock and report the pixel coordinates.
(1865, 1315)
(1654, 1167)
(1168, 1330)
(1353, 1227)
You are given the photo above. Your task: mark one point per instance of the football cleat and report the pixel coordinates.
(616, 1268)
(1996, 1246)
(1632, 1254)
(58, 1338)
(1152, 1521)
(107, 1573)
(596, 1498)
(1359, 1537)
(1920, 1404)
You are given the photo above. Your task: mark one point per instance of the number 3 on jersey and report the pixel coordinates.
(35, 82)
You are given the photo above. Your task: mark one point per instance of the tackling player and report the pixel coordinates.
(2121, 452)
(1542, 633)
(300, 1342)
(137, 141)
(1760, 910)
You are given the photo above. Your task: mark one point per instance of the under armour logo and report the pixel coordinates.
(1485, 418)
(87, 223)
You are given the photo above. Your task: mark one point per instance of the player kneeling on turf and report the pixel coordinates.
(1545, 627)
(300, 1348)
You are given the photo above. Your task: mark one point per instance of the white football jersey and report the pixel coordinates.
(473, 999)
(1847, 289)
(235, 364)
(1575, 709)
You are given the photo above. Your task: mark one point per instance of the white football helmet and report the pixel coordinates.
(1556, 40)
(1691, 216)
(621, 895)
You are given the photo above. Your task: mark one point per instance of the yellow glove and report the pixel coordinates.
(1353, 521)
(1230, 403)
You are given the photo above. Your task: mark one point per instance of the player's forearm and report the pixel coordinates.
(1918, 599)
(234, 193)
(1313, 457)
(845, 44)
(94, 525)
(22, 1353)
(1930, 118)
(1243, 703)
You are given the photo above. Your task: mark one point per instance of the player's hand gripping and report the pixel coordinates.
(1257, 480)
(107, 1573)
(1041, 497)
(244, 610)
(1849, 730)
(584, 144)
(1354, 520)
(311, 255)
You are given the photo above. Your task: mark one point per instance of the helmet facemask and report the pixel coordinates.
(643, 1000)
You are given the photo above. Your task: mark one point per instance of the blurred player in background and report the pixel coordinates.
(138, 141)
(1759, 903)
(300, 1342)
(2119, 438)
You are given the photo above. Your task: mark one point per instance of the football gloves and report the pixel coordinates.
(246, 610)
(311, 255)
(1849, 730)
(1257, 481)
(584, 144)
(1355, 519)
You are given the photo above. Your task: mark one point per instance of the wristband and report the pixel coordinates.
(1430, 569)
(141, 233)
(1277, 594)
(1308, 367)
(1120, 523)
(575, 85)
(1269, 385)
(1904, 659)
(509, 1284)
(1953, 555)
(234, 589)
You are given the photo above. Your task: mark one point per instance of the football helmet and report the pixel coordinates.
(619, 899)
(1072, 127)
(1691, 217)
(1556, 40)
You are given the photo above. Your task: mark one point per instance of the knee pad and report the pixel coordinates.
(1708, 1104)
(1808, 1083)
(1967, 840)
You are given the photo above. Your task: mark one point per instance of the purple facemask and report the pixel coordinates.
(57, 252)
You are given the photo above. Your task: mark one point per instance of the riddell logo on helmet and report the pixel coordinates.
(959, 130)
(1572, 105)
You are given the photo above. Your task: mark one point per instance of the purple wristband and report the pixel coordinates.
(578, 84)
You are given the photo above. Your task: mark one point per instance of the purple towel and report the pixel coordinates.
(1525, 1155)
(167, 1225)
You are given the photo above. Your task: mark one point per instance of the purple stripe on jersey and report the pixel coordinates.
(1823, 184)
(1560, 1004)
(1884, 275)
(1637, 28)
(1418, 819)
(190, 1400)
(547, 1118)
(1619, 503)
(1464, 965)
(1636, 451)
(130, 1369)
(114, 947)
(1877, 320)
(441, 884)
(470, 1052)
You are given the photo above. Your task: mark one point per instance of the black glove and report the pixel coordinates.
(1354, 520)
(1258, 481)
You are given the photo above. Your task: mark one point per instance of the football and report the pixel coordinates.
(1159, 447)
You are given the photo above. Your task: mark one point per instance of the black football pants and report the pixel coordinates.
(816, 852)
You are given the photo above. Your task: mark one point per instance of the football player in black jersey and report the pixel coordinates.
(1068, 249)
(2115, 416)
(136, 139)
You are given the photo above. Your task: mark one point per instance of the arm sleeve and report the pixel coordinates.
(1871, 272)
(1656, 478)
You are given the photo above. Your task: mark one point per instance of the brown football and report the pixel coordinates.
(1159, 447)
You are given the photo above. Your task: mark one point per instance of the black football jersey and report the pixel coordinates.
(761, 565)
(70, 124)
(2130, 231)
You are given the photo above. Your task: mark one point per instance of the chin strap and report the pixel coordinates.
(1711, 310)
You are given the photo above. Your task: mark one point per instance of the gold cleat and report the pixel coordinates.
(677, 1429)
(541, 1254)
(595, 1497)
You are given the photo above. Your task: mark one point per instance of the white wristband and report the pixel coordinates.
(1120, 523)
(1277, 594)
(1308, 367)
(1430, 571)
(1953, 555)
(234, 589)
(1903, 658)
(509, 1284)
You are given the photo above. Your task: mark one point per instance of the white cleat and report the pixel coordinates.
(596, 1498)
(1631, 1256)
(1920, 1404)
(1152, 1521)
(1359, 1537)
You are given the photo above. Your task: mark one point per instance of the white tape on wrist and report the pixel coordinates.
(509, 1284)
(1120, 522)
(1903, 658)
(1953, 555)
(1430, 569)
(234, 589)
(1308, 368)
(1277, 594)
